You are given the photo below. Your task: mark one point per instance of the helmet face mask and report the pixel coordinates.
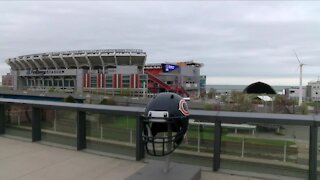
(165, 124)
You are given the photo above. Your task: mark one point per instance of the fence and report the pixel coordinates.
(112, 129)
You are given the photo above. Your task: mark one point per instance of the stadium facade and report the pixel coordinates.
(106, 70)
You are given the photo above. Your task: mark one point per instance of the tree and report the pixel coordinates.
(203, 94)
(208, 107)
(69, 99)
(108, 101)
(304, 108)
(283, 104)
(241, 102)
(211, 93)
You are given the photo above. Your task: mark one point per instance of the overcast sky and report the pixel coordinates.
(238, 42)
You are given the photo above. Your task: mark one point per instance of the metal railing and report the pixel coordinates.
(311, 121)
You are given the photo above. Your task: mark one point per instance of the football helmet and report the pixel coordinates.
(166, 120)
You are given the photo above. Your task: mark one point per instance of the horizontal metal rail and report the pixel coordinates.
(217, 117)
(74, 106)
(209, 116)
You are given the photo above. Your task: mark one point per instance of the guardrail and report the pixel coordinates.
(312, 121)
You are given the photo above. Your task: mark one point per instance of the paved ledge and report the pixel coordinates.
(26, 160)
(21, 160)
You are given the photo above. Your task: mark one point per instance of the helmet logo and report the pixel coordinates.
(183, 107)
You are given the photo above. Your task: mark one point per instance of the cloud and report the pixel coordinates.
(235, 40)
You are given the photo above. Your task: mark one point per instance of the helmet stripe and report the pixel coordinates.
(182, 109)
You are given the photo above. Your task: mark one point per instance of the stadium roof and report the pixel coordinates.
(91, 59)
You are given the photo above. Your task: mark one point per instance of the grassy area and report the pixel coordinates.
(123, 122)
(208, 134)
(315, 104)
(2, 87)
(256, 141)
(205, 133)
(117, 121)
(126, 122)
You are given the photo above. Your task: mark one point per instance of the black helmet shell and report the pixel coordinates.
(166, 121)
(171, 102)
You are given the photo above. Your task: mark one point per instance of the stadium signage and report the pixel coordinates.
(43, 72)
(169, 67)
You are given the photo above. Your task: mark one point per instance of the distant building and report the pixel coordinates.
(79, 71)
(121, 71)
(181, 77)
(7, 79)
(293, 93)
(203, 83)
(313, 91)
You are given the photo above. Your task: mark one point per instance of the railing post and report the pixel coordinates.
(36, 124)
(131, 136)
(55, 120)
(81, 130)
(285, 152)
(217, 145)
(101, 132)
(199, 137)
(242, 148)
(139, 142)
(313, 147)
(2, 119)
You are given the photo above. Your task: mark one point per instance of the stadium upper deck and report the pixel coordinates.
(85, 59)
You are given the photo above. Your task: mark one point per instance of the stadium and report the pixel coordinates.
(116, 71)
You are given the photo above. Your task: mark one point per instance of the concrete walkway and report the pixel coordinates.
(33, 161)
